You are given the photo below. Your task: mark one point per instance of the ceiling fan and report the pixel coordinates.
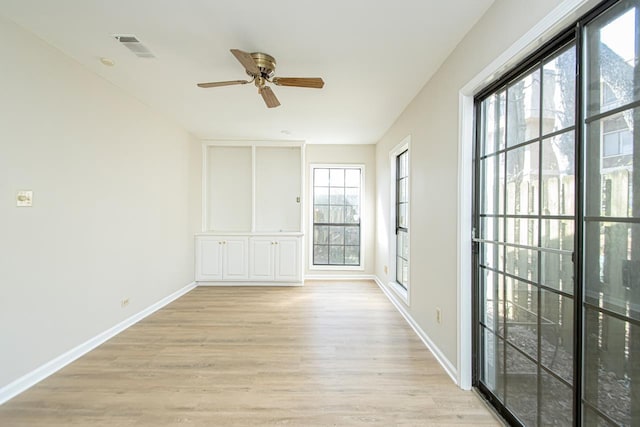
(261, 68)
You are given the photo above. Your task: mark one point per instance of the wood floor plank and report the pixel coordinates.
(326, 354)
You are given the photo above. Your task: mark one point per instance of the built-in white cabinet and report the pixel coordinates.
(249, 258)
(278, 189)
(252, 188)
(252, 217)
(274, 258)
(222, 258)
(229, 184)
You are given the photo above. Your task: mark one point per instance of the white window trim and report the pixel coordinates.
(360, 267)
(404, 145)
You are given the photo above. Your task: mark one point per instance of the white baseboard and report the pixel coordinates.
(446, 364)
(240, 284)
(328, 277)
(32, 378)
(339, 277)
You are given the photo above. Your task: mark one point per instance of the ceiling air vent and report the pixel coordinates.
(132, 43)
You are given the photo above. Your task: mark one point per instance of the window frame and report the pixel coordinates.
(336, 267)
(397, 288)
(398, 204)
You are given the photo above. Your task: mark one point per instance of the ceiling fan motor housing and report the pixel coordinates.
(265, 63)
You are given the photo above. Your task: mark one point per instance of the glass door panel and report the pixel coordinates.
(611, 304)
(526, 232)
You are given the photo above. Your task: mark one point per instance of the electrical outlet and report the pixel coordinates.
(124, 302)
(386, 270)
(438, 315)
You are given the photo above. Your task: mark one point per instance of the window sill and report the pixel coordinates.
(400, 292)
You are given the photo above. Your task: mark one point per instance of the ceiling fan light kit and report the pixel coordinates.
(261, 68)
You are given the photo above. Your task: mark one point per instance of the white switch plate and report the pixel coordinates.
(24, 198)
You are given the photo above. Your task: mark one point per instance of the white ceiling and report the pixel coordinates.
(374, 57)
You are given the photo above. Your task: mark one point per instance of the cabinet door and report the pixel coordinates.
(208, 259)
(236, 260)
(261, 258)
(288, 259)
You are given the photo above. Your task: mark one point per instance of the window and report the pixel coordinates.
(402, 220)
(399, 166)
(617, 143)
(336, 215)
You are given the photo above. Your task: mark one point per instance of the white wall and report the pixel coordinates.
(116, 202)
(345, 154)
(432, 121)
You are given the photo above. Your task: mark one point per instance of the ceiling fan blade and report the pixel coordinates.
(247, 61)
(269, 97)
(312, 82)
(218, 84)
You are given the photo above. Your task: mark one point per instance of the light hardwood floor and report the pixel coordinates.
(326, 354)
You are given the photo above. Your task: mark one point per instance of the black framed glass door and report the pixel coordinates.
(556, 264)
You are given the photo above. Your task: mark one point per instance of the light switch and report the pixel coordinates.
(24, 198)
